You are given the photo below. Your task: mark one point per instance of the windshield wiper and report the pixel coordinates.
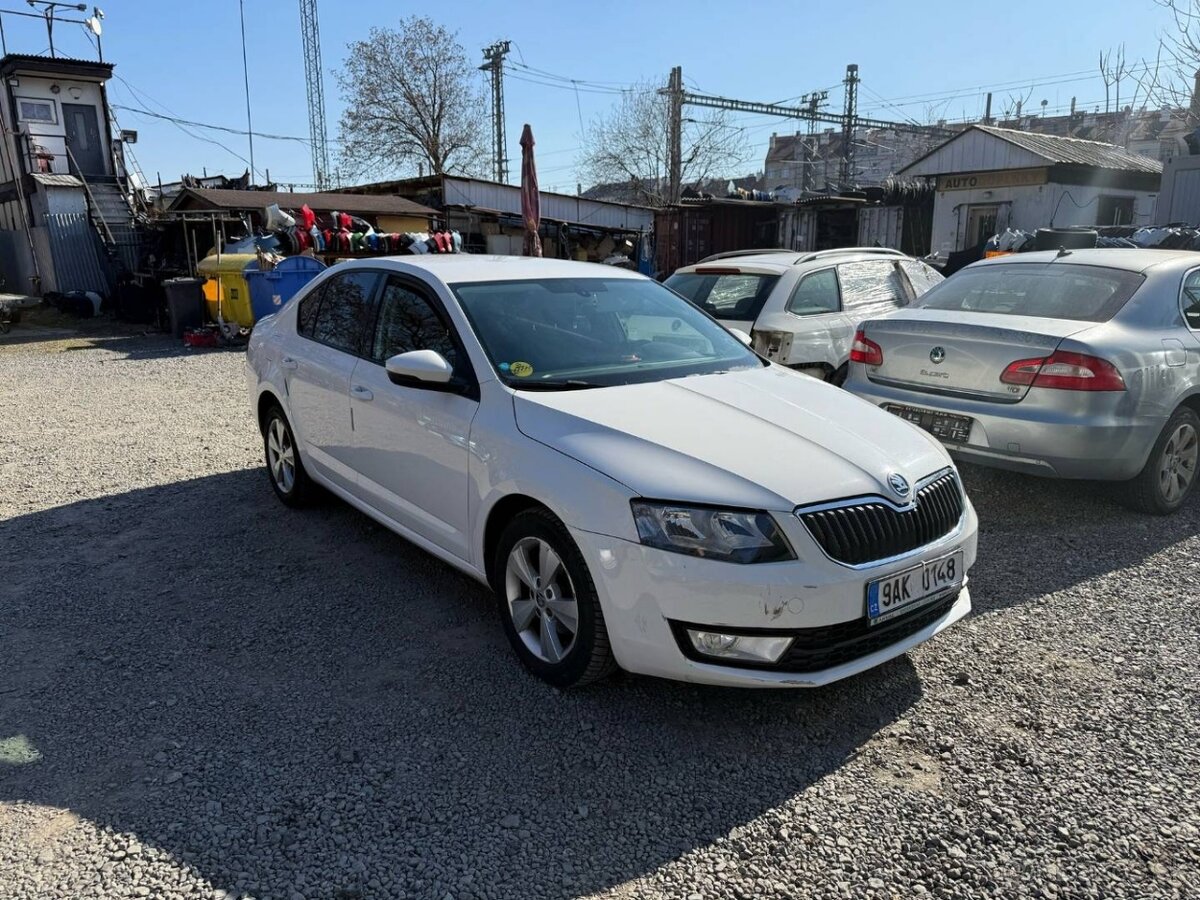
(570, 384)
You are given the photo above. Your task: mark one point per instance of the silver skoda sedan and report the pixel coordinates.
(1072, 364)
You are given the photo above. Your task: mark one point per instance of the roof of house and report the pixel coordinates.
(1054, 150)
(54, 65)
(326, 201)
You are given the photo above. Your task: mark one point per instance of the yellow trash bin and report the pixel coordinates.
(226, 290)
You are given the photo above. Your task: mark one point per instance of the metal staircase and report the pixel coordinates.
(112, 215)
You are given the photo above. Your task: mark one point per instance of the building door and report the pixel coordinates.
(83, 139)
(981, 224)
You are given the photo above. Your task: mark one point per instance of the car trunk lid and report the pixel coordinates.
(962, 353)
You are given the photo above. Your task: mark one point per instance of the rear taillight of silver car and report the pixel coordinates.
(865, 350)
(1065, 371)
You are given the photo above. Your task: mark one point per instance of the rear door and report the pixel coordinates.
(870, 288)
(816, 321)
(967, 330)
(332, 325)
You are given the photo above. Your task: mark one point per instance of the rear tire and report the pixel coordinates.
(838, 378)
(548, 602)
(285, 468)
(1169, 475)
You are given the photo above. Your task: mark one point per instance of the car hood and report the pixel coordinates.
(768, 438)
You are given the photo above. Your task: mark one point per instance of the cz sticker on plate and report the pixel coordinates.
(901, 592)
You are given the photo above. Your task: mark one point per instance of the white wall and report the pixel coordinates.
(53, 135)
(1029, 208)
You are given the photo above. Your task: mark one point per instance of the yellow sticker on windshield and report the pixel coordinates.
(521, 369)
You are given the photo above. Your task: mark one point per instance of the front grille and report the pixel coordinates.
(816, 649)
(871, 530)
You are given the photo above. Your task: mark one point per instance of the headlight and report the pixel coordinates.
(730, 535)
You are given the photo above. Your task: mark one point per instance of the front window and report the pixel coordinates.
(1045, 290)
(731, 296)
(595, 332)
(36, 111)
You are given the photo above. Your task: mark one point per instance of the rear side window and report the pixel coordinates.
(815, 294)
(1044, 290)
(306, 314)
(921, 276)
(345, 315)
(871, 283)
(1191, 300)
(732, 296)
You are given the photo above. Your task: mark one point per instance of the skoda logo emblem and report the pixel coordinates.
(937, 355)
(899, 484)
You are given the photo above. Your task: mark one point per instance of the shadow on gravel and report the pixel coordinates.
(1038, 536)
(303, 701)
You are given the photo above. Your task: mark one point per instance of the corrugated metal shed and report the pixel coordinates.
(506, 198)
(984, 148)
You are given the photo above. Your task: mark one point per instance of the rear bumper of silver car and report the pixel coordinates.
(1065, 435)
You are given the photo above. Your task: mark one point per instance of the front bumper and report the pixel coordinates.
(1058, 434)
(646, 593)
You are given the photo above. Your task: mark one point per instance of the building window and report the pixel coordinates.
(1114, 210)
(36, 111)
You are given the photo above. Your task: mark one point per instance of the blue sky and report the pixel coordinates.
(933, 56)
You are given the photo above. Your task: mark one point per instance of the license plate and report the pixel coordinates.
(902, 592)
(946, 426)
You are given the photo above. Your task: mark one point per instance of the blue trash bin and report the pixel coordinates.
(271, 289)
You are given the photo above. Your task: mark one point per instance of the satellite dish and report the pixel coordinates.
(93, 25)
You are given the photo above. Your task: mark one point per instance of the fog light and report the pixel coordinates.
(738, 646)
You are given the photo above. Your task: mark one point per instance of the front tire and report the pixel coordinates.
(1170, 473)
(285, 469)
(548, 602)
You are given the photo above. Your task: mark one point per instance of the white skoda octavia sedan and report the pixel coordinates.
(637, 487)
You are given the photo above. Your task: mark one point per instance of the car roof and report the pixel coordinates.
(1127, 258)
(453, 268)
(779, 261)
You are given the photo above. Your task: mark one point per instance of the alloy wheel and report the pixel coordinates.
(1177, 468)
(281, 455)
(541, 599)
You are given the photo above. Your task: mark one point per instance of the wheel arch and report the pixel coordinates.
(501, 513)
(266, 399)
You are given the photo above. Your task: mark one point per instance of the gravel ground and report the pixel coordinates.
(204, 694)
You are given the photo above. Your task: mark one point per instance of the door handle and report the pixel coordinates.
(288, 363)
(361, 393)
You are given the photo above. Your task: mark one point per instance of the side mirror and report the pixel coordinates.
(741, 336)
(424, 366)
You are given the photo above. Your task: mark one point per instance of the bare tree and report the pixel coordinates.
(628, 144)
(413, 103)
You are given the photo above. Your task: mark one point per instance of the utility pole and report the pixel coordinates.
(310, 35)
(987, 111)
(495, 64)
(849, 122)
(675, 135)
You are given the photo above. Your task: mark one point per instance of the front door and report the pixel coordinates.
(83, 139)
(981, 224)
(412, 443)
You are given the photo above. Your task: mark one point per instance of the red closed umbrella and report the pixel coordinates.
(531, 207)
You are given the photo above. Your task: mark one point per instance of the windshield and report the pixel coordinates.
(1048, 291)
(732, 296)
(592, 332)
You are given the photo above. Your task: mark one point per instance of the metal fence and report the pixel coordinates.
(80, 263)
